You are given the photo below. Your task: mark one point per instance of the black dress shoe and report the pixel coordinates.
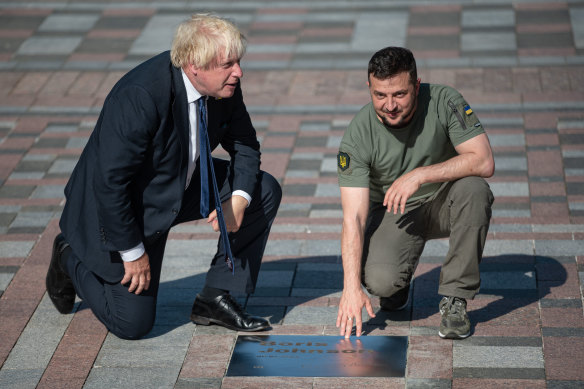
(225, 311)
(397, 301)
(59, 285)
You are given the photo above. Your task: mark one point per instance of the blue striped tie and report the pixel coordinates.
(206, 164)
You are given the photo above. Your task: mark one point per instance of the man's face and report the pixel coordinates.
(395, 99)
(219, 80)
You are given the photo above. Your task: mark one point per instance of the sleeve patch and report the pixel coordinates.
(343, 161)
(467, 110)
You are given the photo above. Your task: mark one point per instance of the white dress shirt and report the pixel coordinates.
(192, 96)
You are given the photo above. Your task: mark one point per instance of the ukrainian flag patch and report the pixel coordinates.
(467, 110)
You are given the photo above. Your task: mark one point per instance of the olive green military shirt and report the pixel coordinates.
(373, 155)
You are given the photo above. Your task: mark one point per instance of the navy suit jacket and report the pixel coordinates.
(129, 182)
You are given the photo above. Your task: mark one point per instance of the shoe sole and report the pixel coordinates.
(451, 335)
(205, 321)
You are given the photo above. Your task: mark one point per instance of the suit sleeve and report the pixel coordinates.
(240, 141)
(129, 119)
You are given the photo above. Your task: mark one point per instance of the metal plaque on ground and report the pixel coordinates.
(319, 356)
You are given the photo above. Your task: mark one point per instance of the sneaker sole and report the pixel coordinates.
(451, 335)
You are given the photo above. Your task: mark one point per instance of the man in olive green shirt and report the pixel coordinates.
(411, 167)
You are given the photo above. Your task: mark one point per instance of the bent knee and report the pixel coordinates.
(132, 330)
(384, 282)
(473, 189)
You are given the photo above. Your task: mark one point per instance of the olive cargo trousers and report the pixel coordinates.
(460, 210)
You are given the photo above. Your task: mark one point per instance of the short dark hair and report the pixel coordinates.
(391, 61)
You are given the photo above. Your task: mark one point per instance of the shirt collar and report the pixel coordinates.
(192, 94)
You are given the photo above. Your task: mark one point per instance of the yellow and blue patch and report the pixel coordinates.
(467, 110)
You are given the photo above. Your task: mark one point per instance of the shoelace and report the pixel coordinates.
(454, 306)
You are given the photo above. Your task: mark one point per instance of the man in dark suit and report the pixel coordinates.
(140, 174)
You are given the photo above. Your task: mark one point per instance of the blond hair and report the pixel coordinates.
(200, 40)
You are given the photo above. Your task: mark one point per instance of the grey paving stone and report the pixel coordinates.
(498, 357)
(304, 164)
(374, 31)
(49, 45)
(299, 189)
(268, 278)
(301, 315)
(327, 190)
(318, 279)
(283, 247)
(506, 247)
(32, 219)
(16, 191)
(10, 208)
(560, 303)
(428, 383)
(300, 208)
(491, 18)
(487, 41)
(510, 189)
(328, 267)
(157, 35)
(162, 355)
(508, 280)
(274, 314)
(15, 249)
(556, 384)
(506, 341)
(172, 296)
(39, 339)
(271, 292)
(511, 163)
(20, 378)
(5, 279)
(333, 141)
(7, 218)
(69, 23)
(559, 247)
(120, 377)
(315, 126)
(48, 192)
(191, 248)
(499, 373)
(76, 143)
(511, 213)
(183, 275)
(302, 174)
(62, 166)
(321, 247)
(304, 156)
(315, 292)
(326, 213)
(33, 166)
(499, 140)
(577, 21)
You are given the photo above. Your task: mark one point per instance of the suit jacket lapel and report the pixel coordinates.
(180, 114)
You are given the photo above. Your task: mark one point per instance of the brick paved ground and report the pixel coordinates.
(520, 64)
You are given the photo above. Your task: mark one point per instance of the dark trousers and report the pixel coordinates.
(131, 316)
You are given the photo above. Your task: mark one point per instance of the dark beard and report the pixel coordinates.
(403, 123)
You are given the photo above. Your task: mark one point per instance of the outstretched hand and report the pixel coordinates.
(350, 308)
